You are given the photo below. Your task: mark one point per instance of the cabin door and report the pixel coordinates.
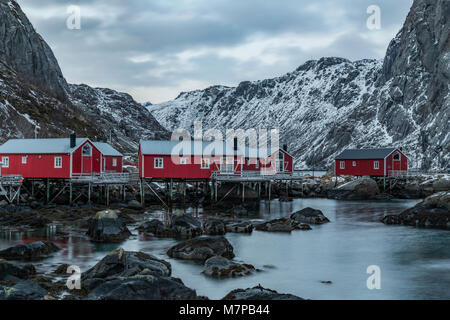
(397, 163)
(86, 159)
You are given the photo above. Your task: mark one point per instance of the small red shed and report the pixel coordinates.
(199, 159)
(371, 162)
(58, 158)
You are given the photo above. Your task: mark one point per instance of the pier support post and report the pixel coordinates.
(107, 195)
(270, 189)
(89, 193)
(48, 191)
(243, 192)
(215, 192)
(70, 193)
(141, 187)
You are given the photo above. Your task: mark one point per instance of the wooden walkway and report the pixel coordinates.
(256, 176)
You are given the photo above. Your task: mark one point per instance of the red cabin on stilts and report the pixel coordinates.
(371, 162)
(58, 158)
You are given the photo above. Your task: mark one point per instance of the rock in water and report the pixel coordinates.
(220, 267)
(240, 227)
(30, 252)
(214, 227)
(259, 293)
(146, 287)
(22, 290)
(186, 226)
(124, 275)
(310, 215)
(282, 225)
(433, 212)
(202, 248)
(121, 263)
(359, 189)
(157, 228)
(8, 269)
(107, 226)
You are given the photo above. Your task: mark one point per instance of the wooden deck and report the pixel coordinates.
(256, 176)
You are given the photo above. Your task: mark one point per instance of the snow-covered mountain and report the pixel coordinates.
(35, 95)
(331, 104)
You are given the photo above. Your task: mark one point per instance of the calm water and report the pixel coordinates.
(415, 263)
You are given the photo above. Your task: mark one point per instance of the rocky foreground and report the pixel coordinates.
(433, 212)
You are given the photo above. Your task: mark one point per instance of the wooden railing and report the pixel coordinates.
(11, 180)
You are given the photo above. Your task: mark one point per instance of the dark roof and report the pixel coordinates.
(351, 154)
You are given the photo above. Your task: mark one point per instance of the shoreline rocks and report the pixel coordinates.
(107, 226)
(202, 248)
(282, 225)
(310, 215)
(359, 189)
(30, 252)
(433, 212)
(259, 293)
(220, 267)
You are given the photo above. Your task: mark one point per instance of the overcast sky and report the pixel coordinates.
(155, 49)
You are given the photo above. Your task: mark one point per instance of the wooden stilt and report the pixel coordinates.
(70, 193)
(89, 193)
(48, 190)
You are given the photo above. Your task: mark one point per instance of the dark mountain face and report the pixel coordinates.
(331, 104)
(34, 94)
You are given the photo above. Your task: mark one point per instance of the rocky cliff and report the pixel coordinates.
(35, 97)
(331, 104)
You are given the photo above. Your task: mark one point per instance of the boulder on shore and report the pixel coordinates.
(30, 252)
(186, 226)
(124, 275)
(310, 215)
(220, 267)
(433, 212)
(258, 293)
(359, 189)
(214, 227)
(282, 225)
(240, 227)
(202, 248)
(18, 289)
(10, 270)
(157, 228)
(107, 226)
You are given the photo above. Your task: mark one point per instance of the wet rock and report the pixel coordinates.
(121, 263)
(214, 227)
(202, 248)
(186, 226)
(107, 226)
(433, 212)
(359, 189)
(240, 227)
(157, 228)
(310, 215)
(29, 252)
(18, 289)
(441, 185)
(134, 204)
(259, 293)
(8, 269)
(220, 267)
(281, 225)
(3, 203)
(144, 287)
(62, 269)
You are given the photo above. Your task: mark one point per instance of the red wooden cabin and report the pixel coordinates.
(200, 159)
(58, 158)
(370, 162)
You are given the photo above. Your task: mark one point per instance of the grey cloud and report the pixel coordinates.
(115, 31)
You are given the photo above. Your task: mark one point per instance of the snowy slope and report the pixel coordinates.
(331, 104)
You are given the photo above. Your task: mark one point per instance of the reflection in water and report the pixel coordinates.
(415, 263)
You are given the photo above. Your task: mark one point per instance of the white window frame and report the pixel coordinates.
(257, 164)
(158, 163)
(399, 156)
(90, 150)
(5, 162)
(376, 165)
(24, 159)
(183, 161)
(341, 164)
(204, 162)
(354, 163)
(114, 162)
(58, 162)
